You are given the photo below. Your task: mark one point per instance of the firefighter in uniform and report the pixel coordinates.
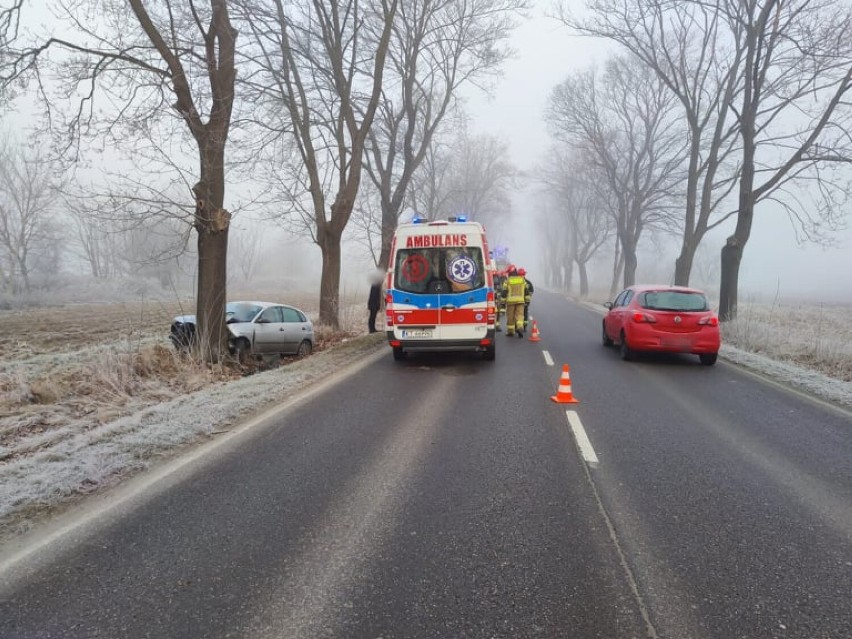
(513, 291)
(529, 289)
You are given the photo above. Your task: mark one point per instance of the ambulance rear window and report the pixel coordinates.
(439, 270)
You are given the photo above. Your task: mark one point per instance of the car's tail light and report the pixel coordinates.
(710, 320)
(640, 317)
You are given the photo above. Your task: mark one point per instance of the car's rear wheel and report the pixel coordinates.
(708, 359)
(398, 353)
(627, 353)
(305, 349)
(605, 339)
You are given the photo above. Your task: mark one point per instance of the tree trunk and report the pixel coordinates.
(683, 263)
(630, 264)
(732, 252)
(390, 220)
(329, 242)
(568, 282)
(584, 279)
(617, 266)
(25, 275)
(211, 223)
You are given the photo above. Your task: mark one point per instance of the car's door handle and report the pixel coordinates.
(281, 329)
(304, 328)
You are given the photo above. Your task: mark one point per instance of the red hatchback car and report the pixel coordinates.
(671, 319)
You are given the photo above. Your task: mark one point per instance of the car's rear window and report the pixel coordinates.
(673, 301)
(439, 270)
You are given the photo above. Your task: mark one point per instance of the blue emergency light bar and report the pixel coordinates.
(458, 218)
(419, 220)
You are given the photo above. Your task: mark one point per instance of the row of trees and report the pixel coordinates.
(711, 109)
(298, 99)
(42, 228)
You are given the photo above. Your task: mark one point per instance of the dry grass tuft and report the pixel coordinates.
(47, 391)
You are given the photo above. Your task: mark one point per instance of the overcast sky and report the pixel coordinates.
(545, 54)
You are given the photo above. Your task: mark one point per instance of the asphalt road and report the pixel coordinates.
(446, 497)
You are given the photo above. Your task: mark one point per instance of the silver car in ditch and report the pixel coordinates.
(256, 328)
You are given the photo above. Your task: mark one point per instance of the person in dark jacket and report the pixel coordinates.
(374, 303)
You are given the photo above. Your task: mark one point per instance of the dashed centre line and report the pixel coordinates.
(547, 358)
(583, 442)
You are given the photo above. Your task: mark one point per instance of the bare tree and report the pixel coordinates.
(246, 247)
(792, 117)
(163, 61)
(324, 63)
(366, 226)
(464, 174)
(430, 189)
(761, 84)
(584, 224)
(28, 189)
(622, 124)
(685, 45)
(555, 242)
(482, 178)
(95, 240)
(437, 46)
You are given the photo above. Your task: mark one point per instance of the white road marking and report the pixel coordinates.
(547, 358)
(582, 439)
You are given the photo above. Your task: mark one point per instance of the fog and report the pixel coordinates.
(776, 263)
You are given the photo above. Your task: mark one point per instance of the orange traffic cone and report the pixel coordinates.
(564, 395)
(535, 337)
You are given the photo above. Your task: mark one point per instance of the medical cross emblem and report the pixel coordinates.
(462, 269)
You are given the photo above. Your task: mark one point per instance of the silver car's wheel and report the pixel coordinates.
(305, 349)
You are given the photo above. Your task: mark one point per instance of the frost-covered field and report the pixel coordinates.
(814, 335)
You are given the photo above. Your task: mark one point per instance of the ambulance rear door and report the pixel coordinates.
(416, 296)
(464, 307)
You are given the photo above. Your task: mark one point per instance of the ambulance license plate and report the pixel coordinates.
(417, 333)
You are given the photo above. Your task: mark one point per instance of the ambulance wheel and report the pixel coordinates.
(490, 352)
(398, 353)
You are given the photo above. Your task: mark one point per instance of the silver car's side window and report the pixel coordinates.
(272, 315)
(292, 315)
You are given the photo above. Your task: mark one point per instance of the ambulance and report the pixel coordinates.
(440, 289)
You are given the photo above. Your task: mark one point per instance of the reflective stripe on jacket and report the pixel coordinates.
(514, 288)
